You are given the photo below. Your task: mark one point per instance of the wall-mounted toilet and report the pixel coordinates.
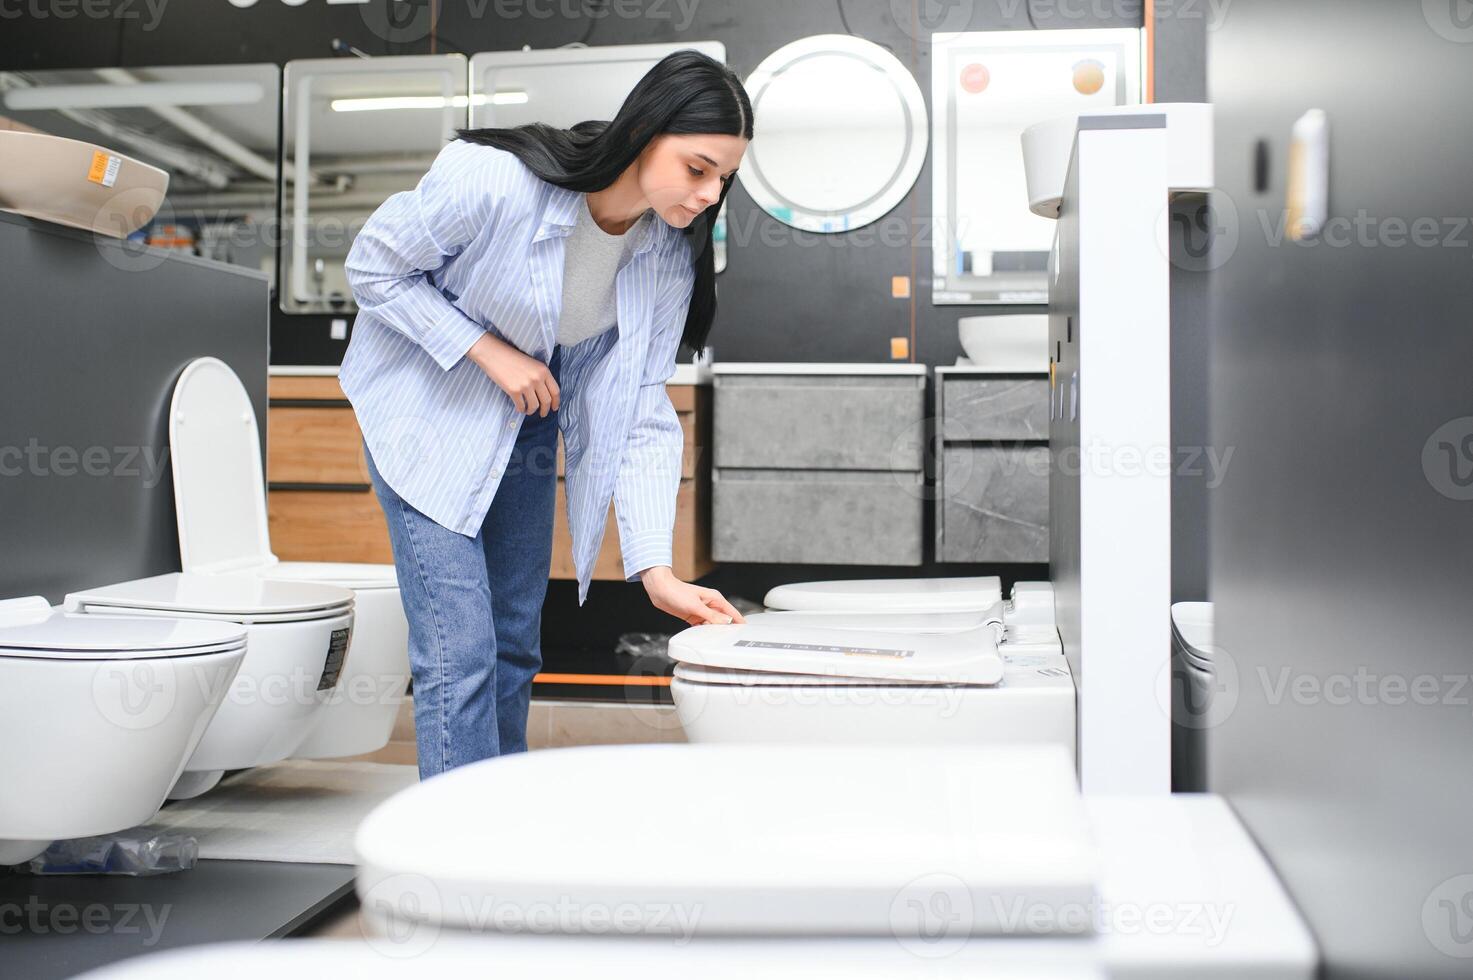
(853, 861)
(99, 715)
(220, 496)
(961, 678)
(298, 641)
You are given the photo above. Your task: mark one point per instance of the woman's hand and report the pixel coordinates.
(695, 605)
(526, 380)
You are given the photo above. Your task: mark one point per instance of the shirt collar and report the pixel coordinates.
(561, 214)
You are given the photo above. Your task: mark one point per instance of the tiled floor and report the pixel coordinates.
(560, 724)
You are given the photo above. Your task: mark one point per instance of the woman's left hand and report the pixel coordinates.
(691, 603)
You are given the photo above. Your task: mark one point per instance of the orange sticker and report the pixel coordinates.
(899, 348)
(900, 287)
(104, 169)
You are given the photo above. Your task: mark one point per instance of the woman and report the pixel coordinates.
(536, 279)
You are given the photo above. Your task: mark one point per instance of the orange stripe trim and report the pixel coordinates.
(602, 680)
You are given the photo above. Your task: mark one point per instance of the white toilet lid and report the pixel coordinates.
(868, 622)
(219, 485)
(947, 658)
(360, 577)
(890, 595)
(1024, 672)
(235, 596)
(64, 636)
(811, 840)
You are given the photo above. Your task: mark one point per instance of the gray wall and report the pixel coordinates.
(806, 298)
(1343, 532)
(93, 338)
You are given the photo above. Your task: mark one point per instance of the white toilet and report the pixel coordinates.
(848, 860)
(960, 675)
(220, 496)
(98, 716)
(298, 641)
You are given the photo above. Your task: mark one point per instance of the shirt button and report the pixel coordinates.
(512, 424)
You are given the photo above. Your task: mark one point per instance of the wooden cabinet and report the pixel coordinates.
(323, 508)
(321, 505)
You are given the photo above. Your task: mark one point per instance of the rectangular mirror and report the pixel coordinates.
(213, 128)
(566, 86)
(987, 87)
(355, 131)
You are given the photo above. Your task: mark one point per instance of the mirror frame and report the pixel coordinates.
(913, 160)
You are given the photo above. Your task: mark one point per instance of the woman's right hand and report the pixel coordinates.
(526, 380)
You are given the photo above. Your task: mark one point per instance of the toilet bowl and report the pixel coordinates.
(834, 676)
(298, 640)
(220, 498)
(946, 862)
(98, 715)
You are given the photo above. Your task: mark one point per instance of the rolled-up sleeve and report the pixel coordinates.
(649, 473)
(411, 235)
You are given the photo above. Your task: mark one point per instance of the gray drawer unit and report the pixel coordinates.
(820, 421)
(821, 517)
(994, 408)
(991, 452)
(993, 504)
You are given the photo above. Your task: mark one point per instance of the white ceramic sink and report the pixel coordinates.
(1012, 344)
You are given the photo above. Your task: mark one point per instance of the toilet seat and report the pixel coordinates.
(220, 499)
(969, 657)
(54, 634)
(360, 577)
(238, 598)
(920, 595)
(883, 622)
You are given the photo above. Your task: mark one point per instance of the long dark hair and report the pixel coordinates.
(687, 93)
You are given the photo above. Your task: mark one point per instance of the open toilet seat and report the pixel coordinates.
(220, 499)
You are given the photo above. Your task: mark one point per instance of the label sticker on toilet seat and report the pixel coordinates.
(819, 648)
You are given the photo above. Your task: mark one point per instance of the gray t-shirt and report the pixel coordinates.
(593, 259)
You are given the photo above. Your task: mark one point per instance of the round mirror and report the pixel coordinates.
(842, 133)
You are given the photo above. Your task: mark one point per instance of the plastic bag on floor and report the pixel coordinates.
(642, 645)
(118, 854)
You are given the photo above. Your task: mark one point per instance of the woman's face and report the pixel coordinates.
(681, 176)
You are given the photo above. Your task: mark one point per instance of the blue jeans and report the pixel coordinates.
(475, 606)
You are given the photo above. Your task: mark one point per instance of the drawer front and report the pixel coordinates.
(820, 422)
(690, 460)
(994, 408)
(994, 504)
(817, 517)
(314, 445)
(690, 541)
(316, 525)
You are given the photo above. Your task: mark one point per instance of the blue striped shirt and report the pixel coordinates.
(478, 247)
